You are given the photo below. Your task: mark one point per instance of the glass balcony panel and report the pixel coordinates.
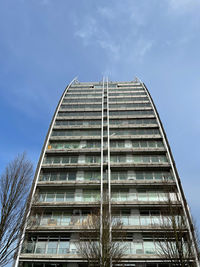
(145, 159)
(143, 143)
(59, 146)
(122, 176)
(75, 145)
(92, 159)
(149, 176)
(135, 144)
(52, 247)
(137, 248)
(75, 220)
(28, 247)
(173, 196)
(87, 197)
(56, 160)
(153, 196)
(120, 144)
(44, 220)
(60, 197)
(56, 218)
(134, 220)
(42, 197)
(163, 159)
(123, 197)
(124, 220)
(149, 247)
(136, 159)
(96, 176)
(131, 196)
(71, 176)
(163, 196)
(156, 220)
(69, 196)
(158, 176)
(142, 197)
(63, 247)
(160, 144)
(127, 247)
(145, 220)
(154, 159)
(65, 160)
(66, 219)
(114, 176)
(48, 160)
(40, 247)
(96, 196)
(151, 143)
(45, 177)
(115, 196)
(63, 177)
(139, 176)
(50, 197)
(53, 177)
(74, 160)
(166, 221)
(113, 159)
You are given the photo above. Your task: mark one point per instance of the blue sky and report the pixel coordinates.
(44, 44)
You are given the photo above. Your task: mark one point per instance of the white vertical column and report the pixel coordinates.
(109, 172)
(101, 188)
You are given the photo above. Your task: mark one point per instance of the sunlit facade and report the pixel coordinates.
(104, 137)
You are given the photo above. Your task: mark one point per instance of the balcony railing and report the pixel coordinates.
(64, 220)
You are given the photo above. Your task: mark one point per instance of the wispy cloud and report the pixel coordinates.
(144, 46)
(116, 31)
(87, 30)
(91, 33)
(183, 6)
(107, 12)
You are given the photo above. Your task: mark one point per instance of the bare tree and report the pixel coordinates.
(174, 243)
(98, 244)
(14, 192)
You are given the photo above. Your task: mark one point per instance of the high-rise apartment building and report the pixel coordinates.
(104, 137)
